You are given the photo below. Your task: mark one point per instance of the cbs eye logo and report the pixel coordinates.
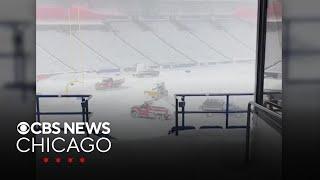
(23, 128)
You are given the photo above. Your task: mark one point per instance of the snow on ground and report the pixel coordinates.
(114, 105)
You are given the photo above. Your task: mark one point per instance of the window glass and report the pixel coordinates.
(273, 56)
(132, 52)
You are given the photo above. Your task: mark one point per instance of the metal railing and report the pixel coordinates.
(273, 106)
(84, 106)
(253, 107)
(181, 102)
(275, 123)
(18, 55)
(84, 110)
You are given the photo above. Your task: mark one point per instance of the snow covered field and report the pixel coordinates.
(114, 105)
(224, 51)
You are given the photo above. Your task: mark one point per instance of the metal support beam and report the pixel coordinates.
(177, 117)
(227, 111)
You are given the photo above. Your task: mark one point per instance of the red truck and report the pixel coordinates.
(148, 111)
(109, 83)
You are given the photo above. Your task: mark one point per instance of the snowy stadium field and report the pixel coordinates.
(222, 58)
(114, 105)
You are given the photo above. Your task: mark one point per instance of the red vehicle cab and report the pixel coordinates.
(148, 111)
(109, 83)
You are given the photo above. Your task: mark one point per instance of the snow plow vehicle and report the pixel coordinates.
(220, 105)
(149, 111)
(109, 83)
(147, 73)
(212, 105)
(158, 92)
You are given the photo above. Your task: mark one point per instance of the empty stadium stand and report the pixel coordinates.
(116, 45)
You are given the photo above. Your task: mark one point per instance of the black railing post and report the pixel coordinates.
(38, 108)
(87, 110)
(247, 155)
(87, 113)
(227, 111)
(177, 125)
(83, 109)
(182, 108)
